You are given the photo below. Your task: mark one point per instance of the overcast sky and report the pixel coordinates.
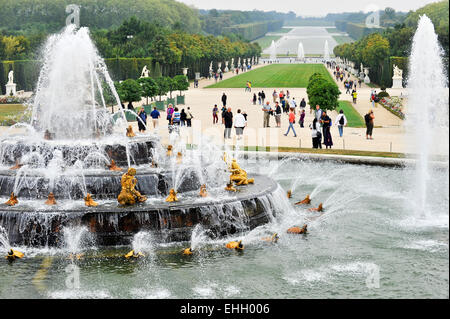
(309, 7)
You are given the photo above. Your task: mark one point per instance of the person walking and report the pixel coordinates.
(224, 99)
(239, 123)
(189, 117)
(354, 95)
(278, 114)
(326, 124)
(175, 121)
(315, 134)
(155, 115)
(275, 96)
(303, 104)
(263, 97)
(302, 118)
(369, 117)
(267, 110)
(259, 98)
(318, 113)
(182, 118)
(341, 121)
(169, 113)
(215, 113)
(228, 122)
(291, 122)
(254, 98)
(142, 120)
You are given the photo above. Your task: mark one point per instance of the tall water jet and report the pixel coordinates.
(273, 51)
(427, 112)
(326, 51)
(301, 51)
(69, 101)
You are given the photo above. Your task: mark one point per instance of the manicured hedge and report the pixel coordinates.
(356, 30)
(253, 31)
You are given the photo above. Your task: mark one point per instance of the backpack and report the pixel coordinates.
(367, 118)
(341, 121)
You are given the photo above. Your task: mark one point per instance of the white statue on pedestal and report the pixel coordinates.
(398, 73)
(397, 79)
(11, 86)
(232, 64)
(11, 77)
(145, 72)
(226, 67)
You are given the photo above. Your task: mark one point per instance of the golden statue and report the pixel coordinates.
(51, 199)
(238, 175)
(235, 245)
(154, 165)
(230, 187)
(72, 257)
(306, 201)
(88, 201)
(129, 195)
(12, 200)
(114, 167)
(298, 230)
(17, 166)
(132, 254)
(169, 150)
(289, 194)
(187, 251)
(203, 192)
(179, 158)
(130, 132)
(273, 239)
(318, 209)
(48, 135)
(13, 254)
(172, 196)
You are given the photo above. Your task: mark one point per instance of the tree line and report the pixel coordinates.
(379, 51)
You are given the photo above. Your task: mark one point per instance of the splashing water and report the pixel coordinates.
(427, 113)
(69, 99)
(4, 239)
(75, 238)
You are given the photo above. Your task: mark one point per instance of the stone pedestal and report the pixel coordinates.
(11, 87)
(397, 82)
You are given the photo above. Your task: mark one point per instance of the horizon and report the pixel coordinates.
(309, 10)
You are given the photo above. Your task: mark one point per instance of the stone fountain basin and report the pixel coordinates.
(231, 213)
(114, 147)
(102, 184)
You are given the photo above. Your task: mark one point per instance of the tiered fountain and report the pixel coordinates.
(66, 167)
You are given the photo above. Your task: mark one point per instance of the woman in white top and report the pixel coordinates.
(341, 121)
(239, 124)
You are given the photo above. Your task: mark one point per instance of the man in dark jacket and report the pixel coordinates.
(224, 99)
(228, 121)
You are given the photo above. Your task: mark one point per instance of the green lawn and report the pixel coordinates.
(275, 76)
(9, 112)
(354, 119)
(266, 41)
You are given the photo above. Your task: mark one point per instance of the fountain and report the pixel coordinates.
(326, 51)
(301, 52)
(427, 114)
(77, 165)
(273, 51)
